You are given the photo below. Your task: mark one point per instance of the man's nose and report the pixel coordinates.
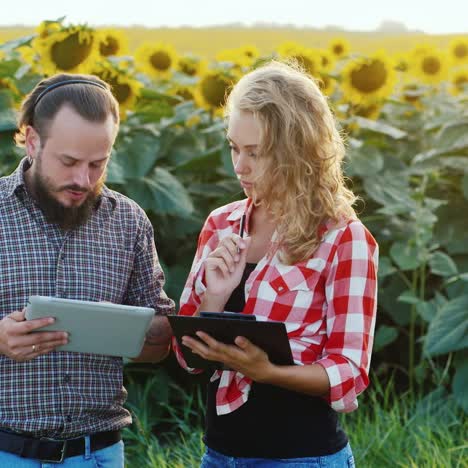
(81, 178)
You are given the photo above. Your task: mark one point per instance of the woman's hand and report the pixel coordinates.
(225, 265)
(243, 357)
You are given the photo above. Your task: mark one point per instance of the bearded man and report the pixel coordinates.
(63, 233)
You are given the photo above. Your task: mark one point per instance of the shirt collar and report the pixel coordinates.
(244, 207)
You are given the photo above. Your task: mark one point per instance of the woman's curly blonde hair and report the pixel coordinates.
(300, 155)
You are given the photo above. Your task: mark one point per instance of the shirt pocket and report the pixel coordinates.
(293, 294)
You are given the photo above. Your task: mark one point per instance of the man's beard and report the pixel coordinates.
(67, 218)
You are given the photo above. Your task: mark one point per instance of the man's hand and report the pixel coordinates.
(18, 343)
(157, 342)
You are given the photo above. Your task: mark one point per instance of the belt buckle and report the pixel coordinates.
(62, 450)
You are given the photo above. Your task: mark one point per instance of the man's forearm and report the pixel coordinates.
(157, 341)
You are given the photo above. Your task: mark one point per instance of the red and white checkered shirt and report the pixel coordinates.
(328, 304)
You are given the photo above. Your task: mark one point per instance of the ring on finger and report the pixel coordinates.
(33, 348)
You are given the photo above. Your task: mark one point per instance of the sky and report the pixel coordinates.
(431, 16)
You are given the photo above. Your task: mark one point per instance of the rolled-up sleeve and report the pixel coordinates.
(195, 287)
(351, 294)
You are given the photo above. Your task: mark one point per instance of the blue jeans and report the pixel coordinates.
(109, 457)
(342, 459)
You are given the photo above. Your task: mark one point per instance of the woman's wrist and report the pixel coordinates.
(213, 303)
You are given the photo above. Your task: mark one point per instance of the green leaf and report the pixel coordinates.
(137, 153)
(406, 256)
(162, 193)
(465, 184)
(385, 267)
(364, 161)
(426, 310)
(409, 297)
(206, 161)
(384, 336)
(460, 385)
(380, 127)
(448, 330)
(10, 46)
(115, 173)
(442, 265)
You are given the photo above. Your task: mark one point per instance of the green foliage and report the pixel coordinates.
(388, 430)
(410, 168)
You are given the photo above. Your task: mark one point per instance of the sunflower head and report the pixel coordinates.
(190, 65)
(430, 66)
(156, 60)
(370, 111)
(411, 93)
(112, 42)
(213, 88)
(459, 50)
(339, 47)
(459, 81)
(307, 58)
(186, 93)
(124, 87)
(72, 50)
(327, 84)
(368, 79)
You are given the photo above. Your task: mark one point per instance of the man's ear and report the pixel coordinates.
(32, 142)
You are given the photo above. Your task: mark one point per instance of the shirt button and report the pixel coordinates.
(67, 378)
(280, 288)
(68, 418)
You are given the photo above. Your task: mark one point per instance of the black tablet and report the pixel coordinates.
(270, 336)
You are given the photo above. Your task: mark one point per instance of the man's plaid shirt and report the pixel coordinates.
(111, 258)
(327, 302)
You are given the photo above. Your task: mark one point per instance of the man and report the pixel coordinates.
(64, 234)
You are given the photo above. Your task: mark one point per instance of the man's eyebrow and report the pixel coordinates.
(64, 155)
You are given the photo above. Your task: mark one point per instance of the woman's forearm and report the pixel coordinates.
(310, 379)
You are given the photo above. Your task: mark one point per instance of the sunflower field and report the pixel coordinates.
(405, 117)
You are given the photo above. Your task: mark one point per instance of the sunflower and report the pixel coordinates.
(327, 60)
(368, 79)
(339, 47)
(8, 87)
(156, 60)
(125, 88)
(236, 57)
(327, 84)
(112, 42)
(190, 65)
(459, 50)
(186, 93)
(411, 93)
(430, 66)
(370, 111)
(72, 49)
(46, 28)
(308, 58)
(459, 81)
(402, 62)
(212, 89)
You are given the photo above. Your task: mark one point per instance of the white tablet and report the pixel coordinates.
(94, 327)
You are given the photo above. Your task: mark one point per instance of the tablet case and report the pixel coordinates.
(94, 327)
(270, 336)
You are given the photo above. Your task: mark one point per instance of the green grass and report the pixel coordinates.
(388, 430)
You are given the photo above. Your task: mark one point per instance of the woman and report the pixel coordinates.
(306, 260)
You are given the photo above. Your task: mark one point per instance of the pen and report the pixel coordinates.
(241, 232)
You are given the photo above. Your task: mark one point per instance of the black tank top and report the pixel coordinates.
(274, 422)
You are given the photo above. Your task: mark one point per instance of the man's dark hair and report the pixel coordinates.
(93, 103)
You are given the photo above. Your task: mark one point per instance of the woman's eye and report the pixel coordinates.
(253, 155)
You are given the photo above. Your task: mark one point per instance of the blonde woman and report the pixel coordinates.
(306, 260)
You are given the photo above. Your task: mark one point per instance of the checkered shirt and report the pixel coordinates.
(111, 258)
(328, 304)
